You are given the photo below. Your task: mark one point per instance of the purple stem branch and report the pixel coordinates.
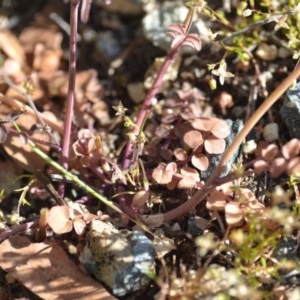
(146, 105)
(153, 91)
(71, 87)
(20, 228)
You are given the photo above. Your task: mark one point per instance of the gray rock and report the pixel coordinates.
(290, 111)
(121, 259)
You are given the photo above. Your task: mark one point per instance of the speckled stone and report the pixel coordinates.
(121, 259)
(290, 111)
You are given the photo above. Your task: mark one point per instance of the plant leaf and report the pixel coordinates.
(216, 201)
(163, 173)
(59, 219)
(193, 139)
(214, 145)
(233, 213)
(200, 161)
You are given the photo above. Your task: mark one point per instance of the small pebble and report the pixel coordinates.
(271, 132)
(249, 147)
(266, 52)
(290, 111)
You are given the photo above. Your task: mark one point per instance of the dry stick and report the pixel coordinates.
(201, 194)
(71, 87)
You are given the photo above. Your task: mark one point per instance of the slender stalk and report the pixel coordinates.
(265, 106)
(74, 178)
(71, 87)
(153, 91)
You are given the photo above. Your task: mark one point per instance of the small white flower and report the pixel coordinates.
(222, 72)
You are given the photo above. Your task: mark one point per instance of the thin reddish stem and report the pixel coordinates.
(153, 91)
(71, 87)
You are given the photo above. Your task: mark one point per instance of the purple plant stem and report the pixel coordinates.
(153, 91)
(146, 105)
(71, 87)
(6, 234)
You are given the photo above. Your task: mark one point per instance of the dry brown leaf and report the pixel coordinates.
(46, 60)
(11, 46)
(22, 154)
(46, 270)
(31, 36)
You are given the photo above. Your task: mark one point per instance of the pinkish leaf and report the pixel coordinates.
(190, 178)
(293, 167)
(291, 149)
(186, 183)
(216, 201)
(200, 161)
(233, 213)
(176, 29)
(163, 173)
(260, 166)
(245, 195)
(254, 206)
(261, 145)
(193, 139)
(180, 154)
(214, 145)
(270, 152)
(79, 226)
(173, 184)
(193, 41)
(219, 128)
(187, 171)
(278, 166)
(59, 219)
(177, 41)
